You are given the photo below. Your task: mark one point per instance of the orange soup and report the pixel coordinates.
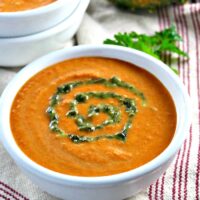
(93, 117)
(20, 5)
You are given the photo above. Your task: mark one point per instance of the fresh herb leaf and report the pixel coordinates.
(155, 45)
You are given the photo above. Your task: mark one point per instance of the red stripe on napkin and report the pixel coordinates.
(185, 43)
(4, 197)
(162, 187)
(156, 190)
(9, 194)
(12, 191)
(194, 11)
(181, 31)
(166, 23)
(150, 192)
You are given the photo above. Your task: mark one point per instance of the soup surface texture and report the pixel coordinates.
(20, 5)
(93, 117)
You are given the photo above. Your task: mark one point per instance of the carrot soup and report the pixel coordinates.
(93, 116)
(21, 5)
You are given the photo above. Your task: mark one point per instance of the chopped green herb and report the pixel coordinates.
(155, 45)
(85, 123)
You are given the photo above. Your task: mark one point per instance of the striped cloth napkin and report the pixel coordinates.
(182, 180)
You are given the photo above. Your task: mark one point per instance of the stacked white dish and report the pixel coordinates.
(26, 35)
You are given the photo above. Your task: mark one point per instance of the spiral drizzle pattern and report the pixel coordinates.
(84, 123)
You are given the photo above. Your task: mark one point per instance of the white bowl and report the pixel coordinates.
(21, 23)
(20, 51)
(112, 187)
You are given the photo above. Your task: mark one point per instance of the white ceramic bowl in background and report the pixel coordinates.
(20, 51)
(21, 23)
(114, 187)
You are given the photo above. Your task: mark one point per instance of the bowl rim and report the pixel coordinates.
(52, 176)
(66, 23)
(36, 11)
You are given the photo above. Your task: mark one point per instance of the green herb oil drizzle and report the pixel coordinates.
(84, 123)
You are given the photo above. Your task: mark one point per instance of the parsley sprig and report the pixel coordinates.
(155, 45)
